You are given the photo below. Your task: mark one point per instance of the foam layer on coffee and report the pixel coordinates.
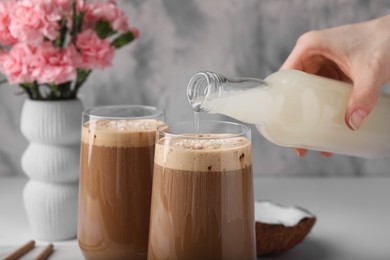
(212, 153)
(120, 133)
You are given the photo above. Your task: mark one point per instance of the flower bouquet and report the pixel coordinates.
(50, 47)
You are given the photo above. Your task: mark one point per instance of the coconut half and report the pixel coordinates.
(280, 228)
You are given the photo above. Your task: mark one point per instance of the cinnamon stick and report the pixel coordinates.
(20, 251)
(45, 252)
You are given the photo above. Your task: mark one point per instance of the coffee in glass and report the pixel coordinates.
(117, 154)
(202, 198)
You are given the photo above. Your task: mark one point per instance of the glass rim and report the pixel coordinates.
(245, 130)
(158, 112)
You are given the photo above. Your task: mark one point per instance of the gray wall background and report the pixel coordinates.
(233, 37)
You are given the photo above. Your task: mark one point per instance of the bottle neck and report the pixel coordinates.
(204, 85)
(207, 87)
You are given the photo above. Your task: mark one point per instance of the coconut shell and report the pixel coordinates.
(272, 239)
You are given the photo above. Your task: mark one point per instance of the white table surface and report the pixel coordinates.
(353, 216)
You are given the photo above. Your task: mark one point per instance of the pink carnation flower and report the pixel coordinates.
(31, 22)
(95, 52)
(135, 32)
(6, 37)
(17, 63)
(54, 65)
(107, 12)
(59, 6)
(43, 63)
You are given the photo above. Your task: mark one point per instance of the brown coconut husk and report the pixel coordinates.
(272, 239)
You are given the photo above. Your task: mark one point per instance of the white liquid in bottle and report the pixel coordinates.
(297, 109)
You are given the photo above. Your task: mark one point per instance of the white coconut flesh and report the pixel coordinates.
(269, 213)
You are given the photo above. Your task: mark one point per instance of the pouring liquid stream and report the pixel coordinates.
(196, 121)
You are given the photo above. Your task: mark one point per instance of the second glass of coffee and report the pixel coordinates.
(202, 198)
(117, 153)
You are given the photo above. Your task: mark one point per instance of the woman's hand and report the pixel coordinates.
(357, 53)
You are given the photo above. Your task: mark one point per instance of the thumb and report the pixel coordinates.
(362, 100)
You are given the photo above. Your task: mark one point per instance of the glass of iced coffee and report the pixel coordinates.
(202, 197)
(117, 153)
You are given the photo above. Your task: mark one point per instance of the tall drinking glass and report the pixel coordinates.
(117, 152)
(202, 197)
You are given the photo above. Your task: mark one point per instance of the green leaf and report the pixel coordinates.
(77, 19)
(32, 89)
(54, 91)
(82, 76)
(27, 88)
(78, 22)
(64, 90)
(74, 9)
(103, 29)
(123, 39)
(59, 42)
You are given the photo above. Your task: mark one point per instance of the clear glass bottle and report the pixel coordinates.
(295, 109)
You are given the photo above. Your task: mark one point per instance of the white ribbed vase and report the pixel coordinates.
(51, 161)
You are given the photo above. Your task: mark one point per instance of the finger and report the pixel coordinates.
(293, 61)
(314, 62)
(330, 69)
(300, 152)
(307, 53)
(326, 154)
(362, 100)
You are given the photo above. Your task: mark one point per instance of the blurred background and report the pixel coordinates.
(178, 38)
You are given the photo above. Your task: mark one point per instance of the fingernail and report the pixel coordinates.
(357, 118)
(300, 153)
(326, 154)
